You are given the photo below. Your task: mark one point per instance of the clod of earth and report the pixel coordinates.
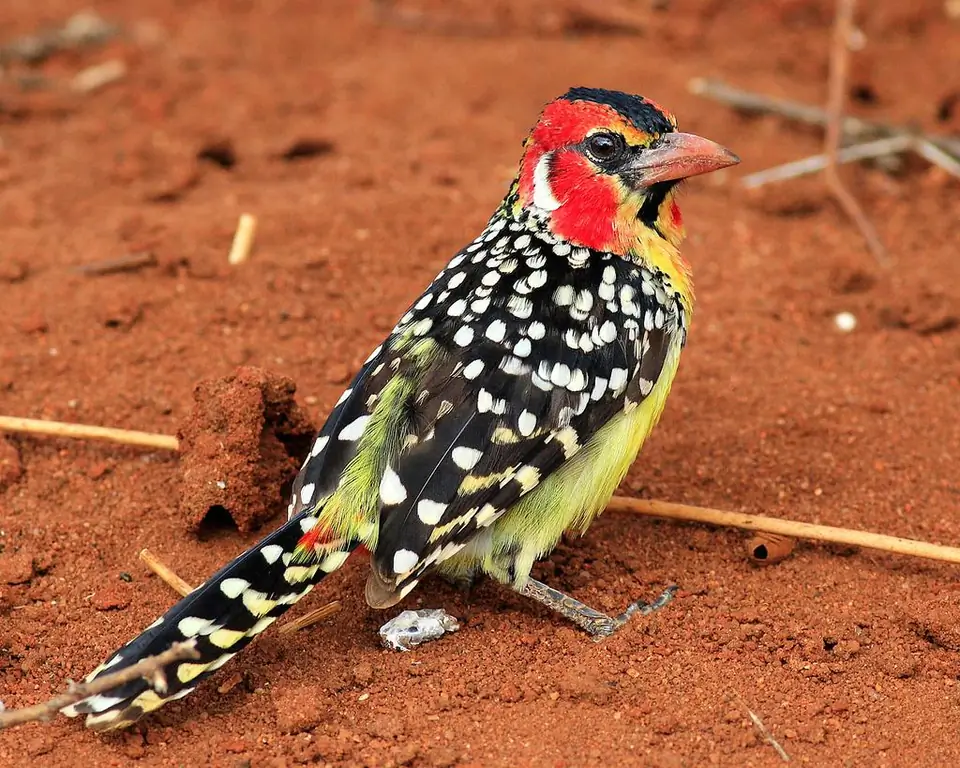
(241, 447)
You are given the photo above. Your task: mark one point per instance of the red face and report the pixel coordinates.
(592, 169)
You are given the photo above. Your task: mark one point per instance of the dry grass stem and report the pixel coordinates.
(151, 669)
(165, 573)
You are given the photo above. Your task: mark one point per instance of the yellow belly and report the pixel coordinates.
(570, 498)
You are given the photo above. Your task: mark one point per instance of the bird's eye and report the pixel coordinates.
(604, 147)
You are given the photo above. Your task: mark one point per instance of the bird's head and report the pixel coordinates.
(602, 168)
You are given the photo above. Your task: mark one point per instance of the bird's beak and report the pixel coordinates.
(678, 156)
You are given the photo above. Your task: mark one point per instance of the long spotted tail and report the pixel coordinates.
(224, 614)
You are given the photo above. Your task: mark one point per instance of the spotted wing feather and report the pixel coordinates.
(512, 393)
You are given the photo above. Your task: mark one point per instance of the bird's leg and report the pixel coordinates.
(597, 624)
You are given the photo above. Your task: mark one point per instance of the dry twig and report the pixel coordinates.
(165, 573)
(88, 432)
(312, 617)
(854, 129)
(767, 736)
(243, 239)
(839, 68)
(127, 263)
(80, 30)
(791, 528)
(151, 669)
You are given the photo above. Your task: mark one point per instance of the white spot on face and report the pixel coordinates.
(472, 370)
(645, 386)
(392, 490)
(496, 331)
(562, 249)
(536, 330)
(586, 343)
(404, 560)
(233, 588)
(618, 379)
(465, 458)
(319, 444)
(563, 296)
(464, 336)
(542, 191)
(610, 274)
(648, 320)
(537, 261)
(373, 354)
(522, 348)
(354, 429)
(344, 396)
(521, 242)
(608, 332)
(457, 308)
(424, 301)
(456, 280)
(659, 318)
(480, 306)
(526, 423)
(271, 553)
(307, 523)
(430, 512)
(306, 493)
(606, 291)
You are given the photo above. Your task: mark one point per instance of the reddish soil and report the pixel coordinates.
(370, 153)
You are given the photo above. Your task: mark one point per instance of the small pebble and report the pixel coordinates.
(845, 321)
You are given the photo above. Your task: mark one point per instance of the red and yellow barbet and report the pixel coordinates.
(503, 409)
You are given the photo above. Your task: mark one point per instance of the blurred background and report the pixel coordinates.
(371, 140)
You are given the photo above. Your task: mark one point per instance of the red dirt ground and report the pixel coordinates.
(850, 658)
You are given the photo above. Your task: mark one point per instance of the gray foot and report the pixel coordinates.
(411, 628)
(599, 625)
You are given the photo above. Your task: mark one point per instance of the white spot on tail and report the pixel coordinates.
(271, 553)
(233, 588)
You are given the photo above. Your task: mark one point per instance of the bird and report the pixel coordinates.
(502, 410)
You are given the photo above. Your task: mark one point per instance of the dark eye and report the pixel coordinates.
(605, 146)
